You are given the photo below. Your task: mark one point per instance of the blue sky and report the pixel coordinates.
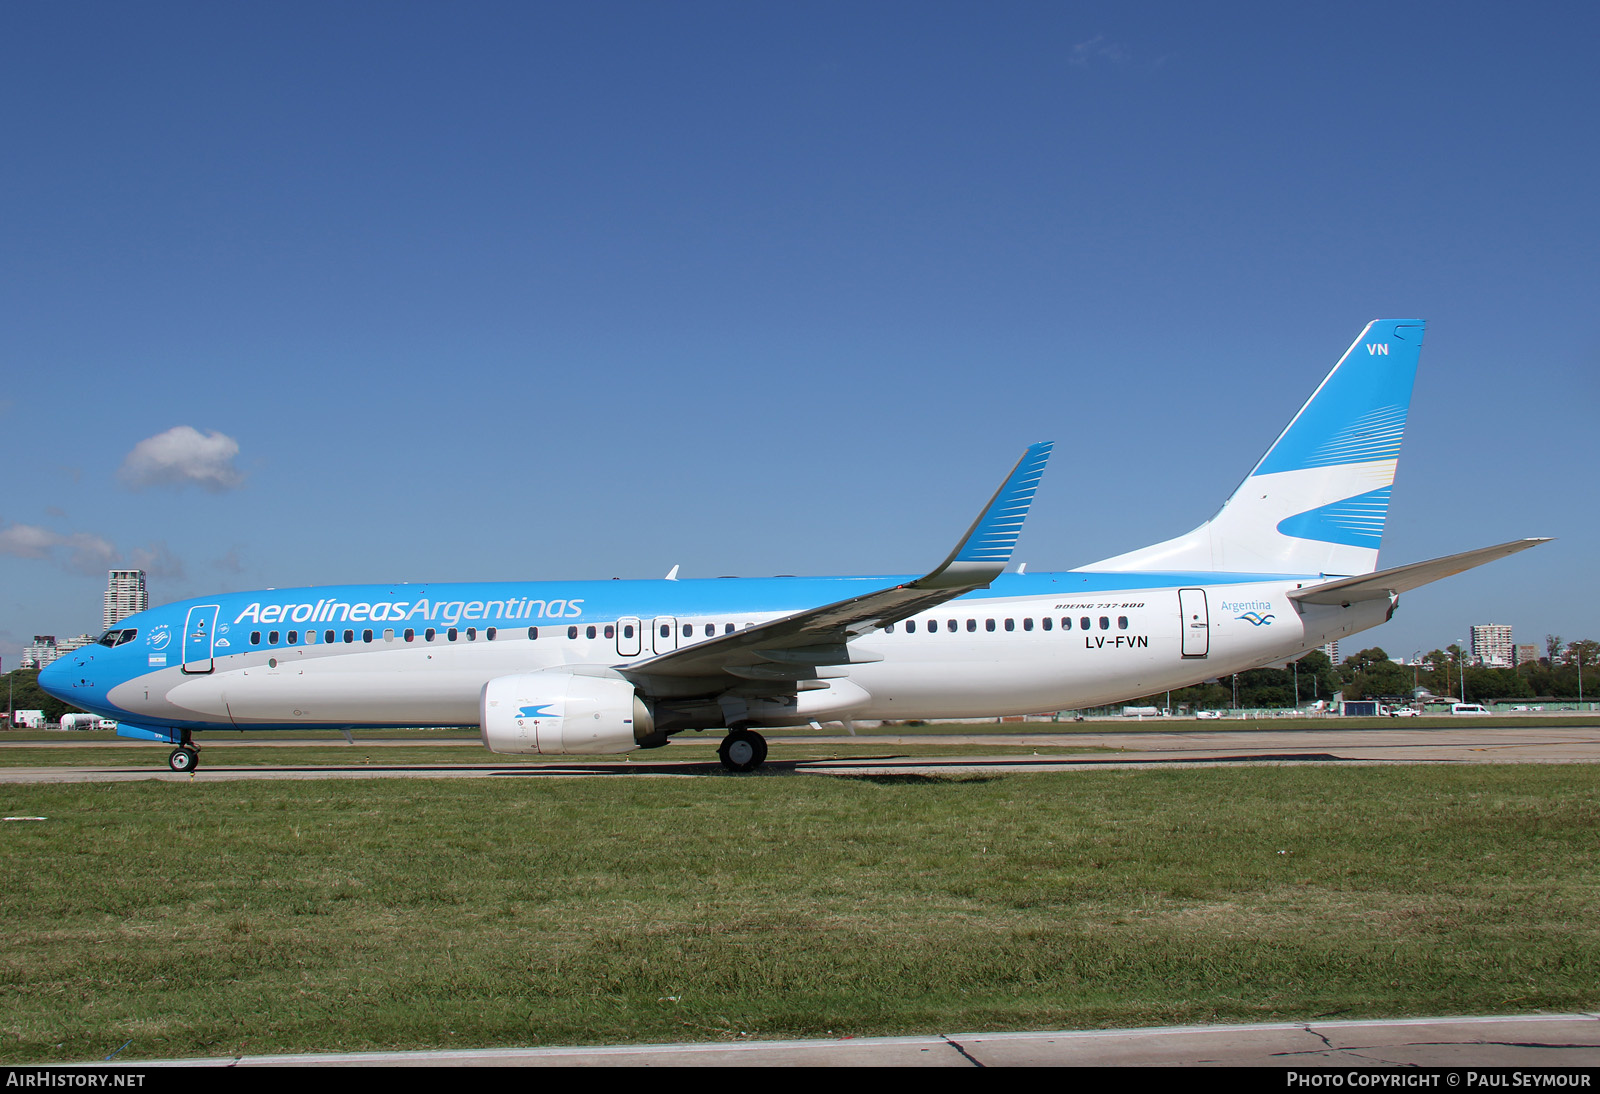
(498, 291)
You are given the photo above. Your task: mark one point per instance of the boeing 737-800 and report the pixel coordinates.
(1287, 564)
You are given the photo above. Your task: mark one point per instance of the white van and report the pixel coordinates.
(1468, 708)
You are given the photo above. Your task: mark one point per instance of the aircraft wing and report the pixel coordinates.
(1350, 590)
(786, 650)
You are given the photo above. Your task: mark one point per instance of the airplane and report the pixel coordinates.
(1289, 563)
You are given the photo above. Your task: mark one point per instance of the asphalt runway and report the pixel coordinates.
(691, 758)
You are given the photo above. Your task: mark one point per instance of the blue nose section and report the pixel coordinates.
(72, 679)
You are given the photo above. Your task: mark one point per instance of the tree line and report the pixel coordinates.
(1566, 672)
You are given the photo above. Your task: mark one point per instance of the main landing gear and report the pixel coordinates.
(186, 757)
(742, 749)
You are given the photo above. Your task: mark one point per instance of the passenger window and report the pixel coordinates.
(366, 636)
(1084, 623)
(388, 634)
(688, 630)
(1105, 622)
(950, 625)
(572, 632)
(451, 634)
(627, 630)
(489, 634)
(1027, 624)
(294, 637)
(1122, 622)
(411, 635)
(1011, 624)
(533, 633)
(428, 634)
(589, 632)
(988, 624)
(327, 636)
(727, 628)
(472, 634)
(972, 624)
(1066, 622)
(611, 632)
(255, 638)
(911, 626)
(711, 629)
(889, 629)
(1045, 622)
(666, 631)
(272, 638)
(311, 638)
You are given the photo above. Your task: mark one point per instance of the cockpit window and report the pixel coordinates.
(117, 638)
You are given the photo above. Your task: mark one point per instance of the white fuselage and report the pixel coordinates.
(976, 656)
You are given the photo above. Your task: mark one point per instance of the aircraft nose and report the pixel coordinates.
(69, 675)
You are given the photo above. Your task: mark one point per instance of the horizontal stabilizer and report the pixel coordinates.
(1350, 590)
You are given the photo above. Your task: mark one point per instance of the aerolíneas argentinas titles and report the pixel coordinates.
(1288, 563)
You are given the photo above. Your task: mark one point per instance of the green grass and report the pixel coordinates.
(250, 917)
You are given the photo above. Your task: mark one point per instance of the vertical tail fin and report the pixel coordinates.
(1317, 501)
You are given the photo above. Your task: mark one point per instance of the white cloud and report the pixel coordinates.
(77, 551)
(1097, 48)
(180, 456)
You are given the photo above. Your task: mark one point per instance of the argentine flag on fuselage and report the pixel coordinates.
(1317, 501)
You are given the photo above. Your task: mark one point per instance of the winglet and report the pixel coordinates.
(986, 548)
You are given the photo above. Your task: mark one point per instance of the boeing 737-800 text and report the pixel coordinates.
(1287, 564)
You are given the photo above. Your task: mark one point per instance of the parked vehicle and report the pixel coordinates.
(1469, 708)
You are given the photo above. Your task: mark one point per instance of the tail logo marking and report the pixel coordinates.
(1256, 619)
(1380, 349)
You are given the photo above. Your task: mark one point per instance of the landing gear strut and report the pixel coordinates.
(742, 749)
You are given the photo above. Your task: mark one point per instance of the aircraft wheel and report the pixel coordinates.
(742, 750)
(183, 759)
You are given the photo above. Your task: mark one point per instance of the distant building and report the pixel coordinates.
(1527, 654)
(1491, 645)
(125, 595)
(41, 653)
(67, 645)
(1332, 650)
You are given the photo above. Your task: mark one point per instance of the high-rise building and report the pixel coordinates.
(1527, 654)
(1491, 645)
(1332, 650)
(41, 653)
(125, 595)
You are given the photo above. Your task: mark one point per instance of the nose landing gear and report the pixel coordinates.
(186, 757)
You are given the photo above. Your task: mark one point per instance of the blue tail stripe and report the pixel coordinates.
(1353, 522)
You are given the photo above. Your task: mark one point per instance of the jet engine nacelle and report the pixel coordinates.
(557, 713)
